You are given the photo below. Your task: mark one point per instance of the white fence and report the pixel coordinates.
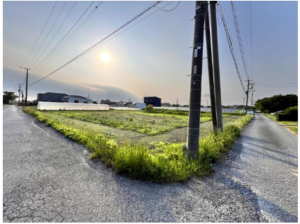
(71, 106)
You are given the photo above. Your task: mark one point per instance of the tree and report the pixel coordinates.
(277, 102)
(8, 96)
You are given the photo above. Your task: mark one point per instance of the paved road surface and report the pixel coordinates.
(48, 178)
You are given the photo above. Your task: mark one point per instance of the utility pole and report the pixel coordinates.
(216, 66)
(19, 90)
(196, 78)
(210, 73)
(247, 92)
(26, 93)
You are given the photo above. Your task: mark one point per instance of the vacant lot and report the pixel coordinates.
(145, 145)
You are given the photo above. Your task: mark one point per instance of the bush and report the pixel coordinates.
(266, 111)
(290, 114)
(149, 107)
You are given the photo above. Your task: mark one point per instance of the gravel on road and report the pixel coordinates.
(48, 178)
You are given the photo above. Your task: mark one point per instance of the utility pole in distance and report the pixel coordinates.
(210, 73)
(216, 66)
(26, 84)
(19, 90)
(247, 92)
(196, 78)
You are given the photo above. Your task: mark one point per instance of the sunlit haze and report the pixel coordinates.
(151, 58)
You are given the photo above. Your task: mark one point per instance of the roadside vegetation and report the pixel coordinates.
(288, 119)
(160, 162)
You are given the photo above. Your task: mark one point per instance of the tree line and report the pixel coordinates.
(276, 103)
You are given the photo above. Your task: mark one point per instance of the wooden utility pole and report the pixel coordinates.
(210, 73)
(196, 78)
(26, 93)
(216, 66)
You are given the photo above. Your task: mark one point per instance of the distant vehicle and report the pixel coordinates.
(250, 111)
(277, 112)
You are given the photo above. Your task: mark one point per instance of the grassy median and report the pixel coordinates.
(162, 162)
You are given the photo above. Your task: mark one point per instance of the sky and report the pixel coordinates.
(151, 58)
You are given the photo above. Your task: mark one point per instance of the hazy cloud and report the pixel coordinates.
(11, 78)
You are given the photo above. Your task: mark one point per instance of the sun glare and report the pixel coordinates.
(105, 58)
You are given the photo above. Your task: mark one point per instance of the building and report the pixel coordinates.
(76, 99)
(50, 97)
(155, 101)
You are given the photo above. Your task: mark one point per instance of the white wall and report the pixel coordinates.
(80, 100)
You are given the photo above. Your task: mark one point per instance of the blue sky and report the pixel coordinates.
(153, 58)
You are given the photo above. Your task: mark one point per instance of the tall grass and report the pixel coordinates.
(164, 162)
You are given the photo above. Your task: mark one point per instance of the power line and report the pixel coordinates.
(251, 38)
(44, 39)
(231, 47)
(65, 34)
(39, 35)
(169, 10)
(96, 44)
(48, 33)
(277, 86)
(240, 42)
(71, 36)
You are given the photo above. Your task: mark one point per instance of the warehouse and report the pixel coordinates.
(50, 97)
(155, 101)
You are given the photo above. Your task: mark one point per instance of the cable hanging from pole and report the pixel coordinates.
(240, 42)
(39, 35)
(96, 44)
(68, 38)
(231, 47)
(66, 34)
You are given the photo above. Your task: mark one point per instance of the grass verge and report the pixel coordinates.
(290, 125)
(164, 162)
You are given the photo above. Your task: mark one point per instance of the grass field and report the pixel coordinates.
(291, 125)
(144, 145)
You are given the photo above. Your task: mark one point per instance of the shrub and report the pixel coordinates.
(266, 111)
(149, 107)
(290, 114)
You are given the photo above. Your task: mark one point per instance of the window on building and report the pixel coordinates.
(76, 101)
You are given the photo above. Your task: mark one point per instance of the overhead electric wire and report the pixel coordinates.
(66, 34)
(70, 36)
(277, 86)
(240, 42)
(169, 10)
(96, 44)
(251, 40)
(39, 35)
(52, 37)
(44, 39)
(231, 47)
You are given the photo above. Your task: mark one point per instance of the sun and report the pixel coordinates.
(105, 57)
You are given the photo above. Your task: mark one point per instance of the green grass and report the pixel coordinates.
(163, 162)
(291, 125)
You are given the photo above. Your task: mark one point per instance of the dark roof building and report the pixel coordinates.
(50, 97)
(155, 101)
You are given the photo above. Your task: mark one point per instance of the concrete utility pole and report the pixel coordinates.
(196, 78)
(210, 73)
(247, 92)
(216, 66)
(26, 93)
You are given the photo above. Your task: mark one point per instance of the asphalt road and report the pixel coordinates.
(48, 178)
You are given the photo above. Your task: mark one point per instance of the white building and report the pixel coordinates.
(76, 99)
